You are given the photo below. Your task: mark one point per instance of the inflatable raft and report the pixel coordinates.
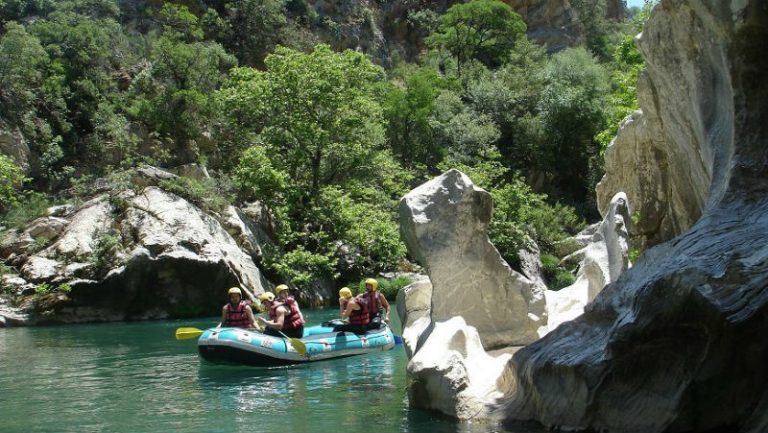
(250, 347)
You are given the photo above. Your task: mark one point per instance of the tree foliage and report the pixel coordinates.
(324, 139)
(11, 178)
(317, 153)
(480, 29)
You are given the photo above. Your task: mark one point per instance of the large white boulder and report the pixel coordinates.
(453, 374)
(444, 224)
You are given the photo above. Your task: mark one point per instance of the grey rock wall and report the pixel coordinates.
(677, 343)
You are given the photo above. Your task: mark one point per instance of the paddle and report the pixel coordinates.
(297, 344)
(188, 333)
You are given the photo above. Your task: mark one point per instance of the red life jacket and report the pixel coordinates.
(237, 317)
(359, 317)
(293, 319)
(371, 303)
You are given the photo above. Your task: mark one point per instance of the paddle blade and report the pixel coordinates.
(299, 345)
(188, 333)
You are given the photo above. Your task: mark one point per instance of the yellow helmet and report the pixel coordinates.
(267, 296)
(372, 282)
(345, 293)
(280, 288)
(235, 290)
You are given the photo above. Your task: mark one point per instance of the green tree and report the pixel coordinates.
(572, 112)
(409, 109)
(32, 95)
(466, 135)
(249, 28)
(317, 158)
(11, 178)
(625, 68)
(86, 47)
(598, 29)
(481, 29)
(173, 94)
(320, 118)
(510, 95)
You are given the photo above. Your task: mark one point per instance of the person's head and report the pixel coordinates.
(235, 295)
(282, 291)
(345, 293)
(266, 299)
(371, 285)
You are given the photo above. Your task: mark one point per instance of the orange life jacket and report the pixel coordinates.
(293, 319)
(359, 316)
(236, 316)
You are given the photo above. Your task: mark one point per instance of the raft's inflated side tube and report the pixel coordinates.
(243, 346)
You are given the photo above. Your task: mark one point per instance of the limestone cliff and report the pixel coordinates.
(388, 30)
(676, 343)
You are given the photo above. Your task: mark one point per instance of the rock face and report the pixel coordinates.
(551, 22)
(444, 224)
(473, 301)
(677, 342)
(603, 259)
(387, 30)
(12, 144)
(453, 374)
(140, 255)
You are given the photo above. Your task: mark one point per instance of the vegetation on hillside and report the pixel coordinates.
(326, 139)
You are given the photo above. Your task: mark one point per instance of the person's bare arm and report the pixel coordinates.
(385, 304)
(351, 306)
(223, 316)
(251, 318)
(279, 320)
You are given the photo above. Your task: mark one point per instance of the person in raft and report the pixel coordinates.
(284, 315)
(266, 299)
(237, 313)
(352, 312)
(374, 303)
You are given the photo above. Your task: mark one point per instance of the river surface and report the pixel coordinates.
(135, 377)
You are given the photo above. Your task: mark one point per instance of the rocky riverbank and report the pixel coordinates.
(672, 344)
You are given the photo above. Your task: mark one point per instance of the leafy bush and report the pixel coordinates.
(562, 279)
(388, 287)
(556, 276)
(42, 289)
(520, 215)
(208, 194)
(33, 205)
(302, 266)
(11, 178)
(104, 248)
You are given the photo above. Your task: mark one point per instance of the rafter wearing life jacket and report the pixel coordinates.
(236, 316)
(356, 317)
(371, 303)
(292, 319)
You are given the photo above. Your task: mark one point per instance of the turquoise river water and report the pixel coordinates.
(135, 377)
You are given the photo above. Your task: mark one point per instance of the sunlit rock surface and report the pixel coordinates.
(602, 261)
(140, 255)
(473, 300)
(453, 374)
(444, 224)
(677, 343)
